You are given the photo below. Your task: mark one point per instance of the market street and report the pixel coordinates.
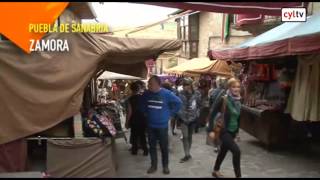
(160, 90)
(256, 161)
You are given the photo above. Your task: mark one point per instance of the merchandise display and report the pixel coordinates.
(102, 120)
(266, 86)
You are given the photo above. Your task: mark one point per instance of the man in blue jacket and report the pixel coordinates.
(159, 105)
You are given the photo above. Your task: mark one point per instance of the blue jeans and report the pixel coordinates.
(161, 135)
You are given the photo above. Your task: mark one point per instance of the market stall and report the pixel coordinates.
(109, 97)
(114, 85)
(41, 90)
(202, 66)
(167, 77)
(280, 66)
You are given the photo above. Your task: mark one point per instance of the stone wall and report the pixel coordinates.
(211, 26)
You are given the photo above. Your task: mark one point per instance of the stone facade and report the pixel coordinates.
(211, 28)
(210, 32)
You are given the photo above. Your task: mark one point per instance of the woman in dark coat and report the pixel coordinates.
(136, 120)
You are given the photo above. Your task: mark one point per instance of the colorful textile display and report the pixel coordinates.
(103, 120)
(263, 72)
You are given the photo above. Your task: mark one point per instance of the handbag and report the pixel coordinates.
(219, 122)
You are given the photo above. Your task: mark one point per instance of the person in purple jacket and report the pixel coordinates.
(159, 105)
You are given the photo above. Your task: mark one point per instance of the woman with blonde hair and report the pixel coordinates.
(230, 105)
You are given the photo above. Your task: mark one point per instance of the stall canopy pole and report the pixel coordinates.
(223, 24)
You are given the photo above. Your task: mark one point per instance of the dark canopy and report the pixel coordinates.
(291, 38)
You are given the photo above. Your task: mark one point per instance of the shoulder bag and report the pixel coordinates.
(219, 121)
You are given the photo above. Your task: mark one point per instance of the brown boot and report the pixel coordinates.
(217, 174)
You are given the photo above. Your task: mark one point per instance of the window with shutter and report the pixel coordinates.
(188, 32)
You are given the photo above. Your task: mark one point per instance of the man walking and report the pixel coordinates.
(159, 105)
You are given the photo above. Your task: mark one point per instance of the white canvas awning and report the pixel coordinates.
(113, 76)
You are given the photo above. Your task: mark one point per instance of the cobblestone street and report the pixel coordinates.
(256, 161)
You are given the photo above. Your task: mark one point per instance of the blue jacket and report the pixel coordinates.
(159, 107)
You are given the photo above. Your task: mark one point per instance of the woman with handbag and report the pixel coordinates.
(216, 95)
(226, 127)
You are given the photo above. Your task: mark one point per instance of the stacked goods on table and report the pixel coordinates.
(102, 120)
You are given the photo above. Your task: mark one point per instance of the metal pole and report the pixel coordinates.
(161, 68)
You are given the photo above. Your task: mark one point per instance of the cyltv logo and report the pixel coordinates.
(294, 15)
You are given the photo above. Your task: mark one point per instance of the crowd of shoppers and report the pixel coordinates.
(149, 112)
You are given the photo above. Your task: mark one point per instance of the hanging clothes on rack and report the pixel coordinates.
(304, 99)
